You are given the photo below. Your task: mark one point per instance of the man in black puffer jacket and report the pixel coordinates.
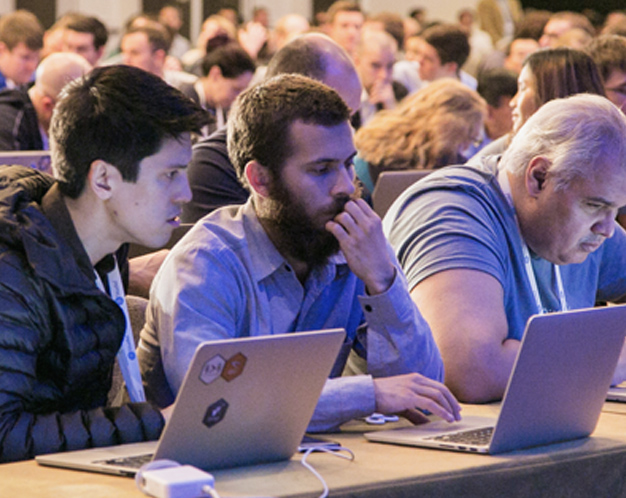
(120, 141)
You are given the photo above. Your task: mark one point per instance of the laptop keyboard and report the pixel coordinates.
(131, 462)
(476, 437)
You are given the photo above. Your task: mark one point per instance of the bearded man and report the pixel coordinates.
(304, 253)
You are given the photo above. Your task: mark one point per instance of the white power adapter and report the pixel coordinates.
(167, 479)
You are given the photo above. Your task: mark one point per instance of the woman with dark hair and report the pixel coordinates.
(546, 75)
(227, 70)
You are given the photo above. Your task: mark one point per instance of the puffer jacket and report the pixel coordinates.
(19, 126)
(59, 334)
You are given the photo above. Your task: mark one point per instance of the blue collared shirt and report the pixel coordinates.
(226, 279)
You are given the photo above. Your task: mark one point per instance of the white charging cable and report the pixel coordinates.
(169, 479)
(334, 452)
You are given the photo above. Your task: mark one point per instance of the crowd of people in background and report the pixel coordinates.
(395, 55)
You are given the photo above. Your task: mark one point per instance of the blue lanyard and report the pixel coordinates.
(503, 179)
(126, 356)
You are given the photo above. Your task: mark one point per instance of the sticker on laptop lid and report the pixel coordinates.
(212, 369)
(234, 367)
(215, 413)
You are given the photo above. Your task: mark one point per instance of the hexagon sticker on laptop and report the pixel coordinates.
(212, 369)
(234, 367)
(215, 413)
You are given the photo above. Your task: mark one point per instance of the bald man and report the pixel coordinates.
(25, 113)
(212, 177)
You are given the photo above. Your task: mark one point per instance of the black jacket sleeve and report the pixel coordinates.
(35, 416)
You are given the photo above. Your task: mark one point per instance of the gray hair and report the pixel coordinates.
(576, 134)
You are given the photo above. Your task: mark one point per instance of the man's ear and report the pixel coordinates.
(48, 104)
(215, 73)
(536, 173)
(258, 177)
(451, 67)
(102, 178)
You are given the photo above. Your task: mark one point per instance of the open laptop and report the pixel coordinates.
(243, 401)
(37, 159)
(555, 393)
(617, 393)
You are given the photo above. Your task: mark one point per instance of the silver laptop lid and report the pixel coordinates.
(248, 400)
(561, 377)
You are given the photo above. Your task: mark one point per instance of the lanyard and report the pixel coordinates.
(503, 179)
(126, 356)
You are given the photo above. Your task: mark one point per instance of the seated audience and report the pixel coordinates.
(53, 37)
(212, 177)
(480, 42)
(25, 113)
(497, 87)
(303, 253)
(405, 72)
(171, 16)
(561, 22)
(512, 57)
(227, 71)
(430, 129)
(146, 47)
(286, 29)
(86, 36)
(345, 22)
(485, 247)
(374, 61)
(212, 27)
(21, 40)
(120, 142)
(441, 51)
(547, 74)
(498, 18)
(574, 38)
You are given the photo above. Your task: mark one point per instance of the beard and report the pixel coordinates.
(295, 233)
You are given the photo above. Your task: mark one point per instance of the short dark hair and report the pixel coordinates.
(231, 58)
(259, 122)
(89, 24)
(118, 114)
(158, 36)
(450, 42)
(495, 84)
(21, 26)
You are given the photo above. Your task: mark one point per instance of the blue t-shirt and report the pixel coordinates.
(458, 217)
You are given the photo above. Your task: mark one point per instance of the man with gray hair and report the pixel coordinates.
(485, 247)
(25, 113)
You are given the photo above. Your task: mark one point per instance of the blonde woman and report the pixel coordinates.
(430, 129)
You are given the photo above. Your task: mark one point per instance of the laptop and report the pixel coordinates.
(555, 393)
(36, 159)
(243, 401)
(617, 393)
